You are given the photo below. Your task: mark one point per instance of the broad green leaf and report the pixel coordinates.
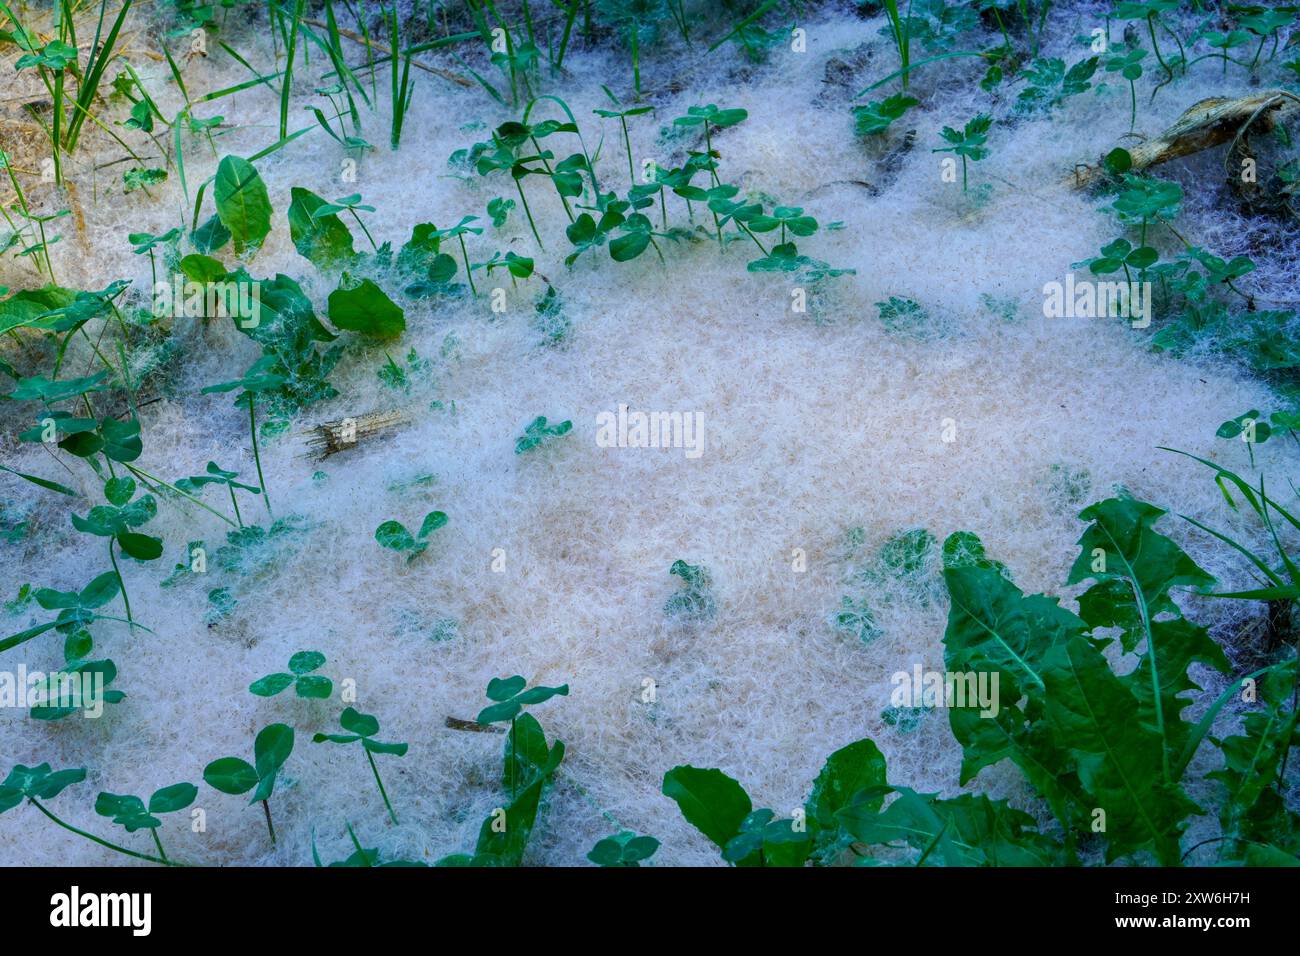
(712, 802)
(242, 203)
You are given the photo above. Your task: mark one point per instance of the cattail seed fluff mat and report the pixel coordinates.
(815, 424)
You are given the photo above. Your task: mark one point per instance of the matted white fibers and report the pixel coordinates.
(815, 423)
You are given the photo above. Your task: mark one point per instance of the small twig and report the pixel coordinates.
(455, 723)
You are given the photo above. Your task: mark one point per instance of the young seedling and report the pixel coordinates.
(710, 117)
(350, 204)
(218, 476)
(874, 118)
(1129, 66)
(38, 783)
(1250, 428)
(1146, 200)
(260, 378)
(969, 144)
(116, 520)
(132, 813)
(363, 727)
(695, 599)
(271, 749)
(300, 678)
(144, 242)
(623, 849)
(1049, 83)
(538, 433)
(621, 116)
(509, 697)
(458, 232)
(394, 536)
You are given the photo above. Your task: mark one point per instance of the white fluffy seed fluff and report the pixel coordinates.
(814, 424)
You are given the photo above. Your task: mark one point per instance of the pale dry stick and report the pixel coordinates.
(1205, 124)
(358, 38)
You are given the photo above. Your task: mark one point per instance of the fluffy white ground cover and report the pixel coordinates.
(815, 424)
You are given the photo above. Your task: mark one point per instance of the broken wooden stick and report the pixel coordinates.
(1206, 124)
(456, 723)
(329, 438)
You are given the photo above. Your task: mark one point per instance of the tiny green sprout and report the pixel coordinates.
(394, 536)
(134, 179)
(875, 117)
(498, 210)
(786, 218)
(260, 379)
(1250, 428)
(459, 232)
(132, 813)
(1145, 200)
(350, 204)
(76, 608)
(622, 115)
(1120, 254)
(1129, 66)
(509, 696)
(969, 144)
(271, 748)
(363, 727)
(38, 783)
(362, 857)
(1223, 42)
(855, 618)
(116, 520)
(624, 848)
(539, 432)
(61, 697)
(300, 677)
(1049, 83)
(218, 476)
(695, 599)
(145, 242)
(519, 267)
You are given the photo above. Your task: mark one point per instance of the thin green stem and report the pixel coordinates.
(120, 583)
(382, 792)
(257, 457)
(94, 839)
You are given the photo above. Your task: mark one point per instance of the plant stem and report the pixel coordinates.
(120, 583)
(532, 225)
(234, 503)
(631, 174)
(469, 273)
(270, 828)
(382, 792)
(94, 839)
(252, 431)
(158, 843)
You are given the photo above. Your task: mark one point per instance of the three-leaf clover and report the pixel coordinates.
(510, 698)
(132, 812)
(538, 432)
(303, 681)
(624, 848)
(271, 749)
(363, 727)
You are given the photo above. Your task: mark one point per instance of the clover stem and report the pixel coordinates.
(94, 839)
(1151, 29)
(1133, 106)
(663, 207)
(363, 228)
(120, 583)
(532, 225)
(234, 503)
(257, 457)
(469, 273)
(270, 827)
(158, 843)
(514, 761)
(627, 142)
(382, 792)
(963, 174)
